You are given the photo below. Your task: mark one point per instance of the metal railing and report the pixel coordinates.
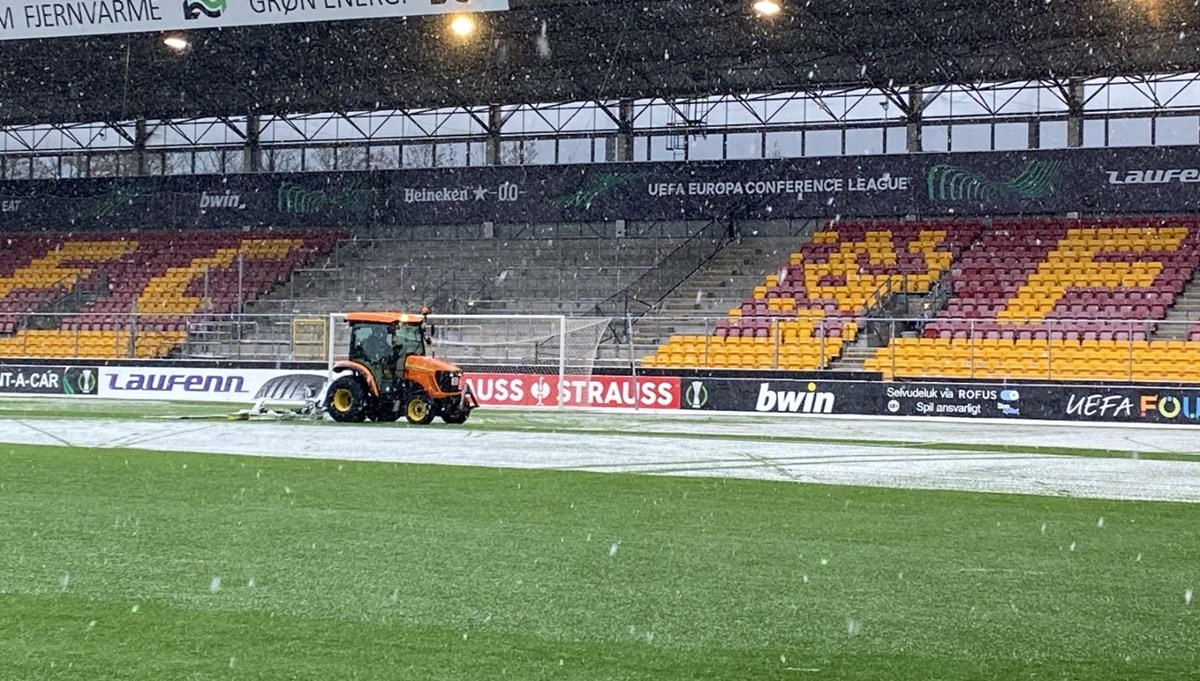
(659, 281)
(1096, 349)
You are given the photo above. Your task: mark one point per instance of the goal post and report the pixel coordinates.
(548, 346)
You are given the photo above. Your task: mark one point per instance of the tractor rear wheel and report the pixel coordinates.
(347, 400)
(418, 410)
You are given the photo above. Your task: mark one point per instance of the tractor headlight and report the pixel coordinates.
(449, 381)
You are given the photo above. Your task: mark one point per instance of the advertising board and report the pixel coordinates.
(1099, 404)
(202, 384)
(955, 399)
(1116, 180)
(782, 396)
(32, 379)
(64, 18)
(603, 392)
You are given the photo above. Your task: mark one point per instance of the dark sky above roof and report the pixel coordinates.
(600, 49)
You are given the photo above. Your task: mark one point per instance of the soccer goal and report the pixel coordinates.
(544, 345)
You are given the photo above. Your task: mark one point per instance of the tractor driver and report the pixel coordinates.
(376, 347)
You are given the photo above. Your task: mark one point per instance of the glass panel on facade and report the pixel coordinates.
(177, 163)
(783, 145)
(703, 147)
(971, 137)
(418, 155)
(864, 141)
(743, 145)
(822, 142)
(666, 148)
(1011, 136)
(1052, 135)
(285, 160)
(575, 150)
(235, 161)
(207, 162)
(1094, 132)
(1129, 132)
(1177, 130)
(935, 138)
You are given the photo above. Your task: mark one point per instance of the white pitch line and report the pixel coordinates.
(661, 454)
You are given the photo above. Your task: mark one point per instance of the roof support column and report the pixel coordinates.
(252, 149)
(624, 147)
(141, 135)
(491, 151)
(1074, 100)
(915, 114)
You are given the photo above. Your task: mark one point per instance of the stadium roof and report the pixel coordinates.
(598, 50)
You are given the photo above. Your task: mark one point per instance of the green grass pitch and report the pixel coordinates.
(131, 565)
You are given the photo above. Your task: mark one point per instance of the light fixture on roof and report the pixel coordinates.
(178, 43)
(767, 8)
(462, 25)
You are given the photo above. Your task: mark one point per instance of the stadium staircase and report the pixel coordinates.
(801, 317)
(705, 297)
(1183, 318)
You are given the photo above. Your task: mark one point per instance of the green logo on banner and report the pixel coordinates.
(953, 183)
(192, 9)
(696, 395)
(594, 186)
(300, 200)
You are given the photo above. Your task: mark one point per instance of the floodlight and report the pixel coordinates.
(462, 25)
(767, 8)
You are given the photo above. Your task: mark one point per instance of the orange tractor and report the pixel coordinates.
(389, 374)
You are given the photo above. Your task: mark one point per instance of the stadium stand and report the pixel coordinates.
(558, 276)
(1059, 299)
(800, 318)
(136, 293)
(572, 276)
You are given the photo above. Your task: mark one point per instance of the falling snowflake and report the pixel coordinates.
(612, 550)
(215, 585)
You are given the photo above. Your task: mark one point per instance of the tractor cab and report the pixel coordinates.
(383, 343)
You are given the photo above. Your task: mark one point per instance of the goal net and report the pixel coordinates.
(527, 345)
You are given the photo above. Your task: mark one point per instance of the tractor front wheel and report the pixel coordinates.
(418, 410)
(347, 400)
(455, 414)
